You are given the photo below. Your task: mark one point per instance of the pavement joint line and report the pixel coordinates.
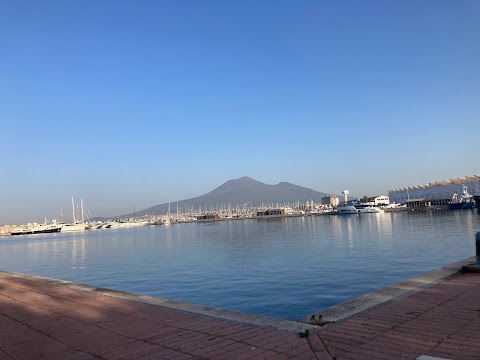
(383, 333)
(460, 328)
(3, 352)
(42, 333)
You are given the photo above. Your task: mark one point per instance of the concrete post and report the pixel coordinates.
(477, 245)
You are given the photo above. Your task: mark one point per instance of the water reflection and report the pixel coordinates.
(79, 253)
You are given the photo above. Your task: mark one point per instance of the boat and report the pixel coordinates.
(346, 209)
(365, 207)
(394, 207)
(36, 229)
(75, 225)
(466, 201)
(355, 207)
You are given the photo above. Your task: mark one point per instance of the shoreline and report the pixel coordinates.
(329, 316)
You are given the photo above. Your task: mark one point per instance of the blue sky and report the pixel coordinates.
(123, 102)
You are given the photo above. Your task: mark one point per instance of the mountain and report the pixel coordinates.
(241, 191)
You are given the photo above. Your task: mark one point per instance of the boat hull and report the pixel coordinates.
(463, 205)
(346, 210)
(35, 231)
(73, 227)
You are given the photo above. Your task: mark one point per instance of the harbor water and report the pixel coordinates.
(282, 267)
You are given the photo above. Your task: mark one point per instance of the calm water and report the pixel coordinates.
(284, 268)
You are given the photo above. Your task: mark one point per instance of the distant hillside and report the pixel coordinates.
(241, 191)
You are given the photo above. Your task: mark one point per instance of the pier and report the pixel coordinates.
(53, 319)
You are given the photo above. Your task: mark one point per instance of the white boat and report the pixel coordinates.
(355, 207)
(75, 225)
(394, 207)
(346, 209)
(366, 208)
(36, 229)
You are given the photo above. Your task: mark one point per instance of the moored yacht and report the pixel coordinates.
(365, 207)
(355, 207)
(346, 209)
(36, 229)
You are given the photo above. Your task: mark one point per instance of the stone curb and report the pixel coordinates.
(347, 309)
(332, 314)
(251, 319)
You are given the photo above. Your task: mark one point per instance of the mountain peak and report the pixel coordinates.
(244, 179)
(242, 191)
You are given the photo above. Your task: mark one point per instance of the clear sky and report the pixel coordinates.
(145, 102)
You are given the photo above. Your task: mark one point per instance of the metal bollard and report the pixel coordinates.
(477, 245)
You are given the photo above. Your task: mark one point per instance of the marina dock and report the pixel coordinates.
(53, 319)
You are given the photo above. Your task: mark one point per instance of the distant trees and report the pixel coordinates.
(364, 199)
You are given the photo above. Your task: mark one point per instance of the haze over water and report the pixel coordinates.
(283, 268)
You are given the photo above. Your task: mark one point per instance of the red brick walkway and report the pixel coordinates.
(38, 320)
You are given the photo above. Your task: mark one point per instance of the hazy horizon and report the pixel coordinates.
(123, 103)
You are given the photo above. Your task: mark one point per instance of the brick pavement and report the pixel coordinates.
(43, 321)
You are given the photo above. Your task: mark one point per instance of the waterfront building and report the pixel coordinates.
(330, 200)
(379, 200)
(439, 192)
(271, 212)
(208, 217)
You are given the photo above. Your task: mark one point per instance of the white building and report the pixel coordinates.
(381, 200)
(434, 190)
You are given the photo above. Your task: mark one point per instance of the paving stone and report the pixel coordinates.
(39, 348)
(38, 320)
(221, 352)
(322, 355)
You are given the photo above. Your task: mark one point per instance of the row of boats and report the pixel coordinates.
(465, 201)
(61, 227)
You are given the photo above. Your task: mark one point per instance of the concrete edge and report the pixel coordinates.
(349, 308)
(330, 315)
(207, 311)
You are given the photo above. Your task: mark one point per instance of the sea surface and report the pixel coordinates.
(283, 268)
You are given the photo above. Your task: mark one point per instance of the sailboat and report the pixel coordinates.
(167, 220)
(75, 225)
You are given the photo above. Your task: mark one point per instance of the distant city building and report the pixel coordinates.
(330, 200)
(439, 190)
(379, 200)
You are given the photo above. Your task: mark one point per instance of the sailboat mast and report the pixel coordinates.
(73, 210)
(81, 206)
